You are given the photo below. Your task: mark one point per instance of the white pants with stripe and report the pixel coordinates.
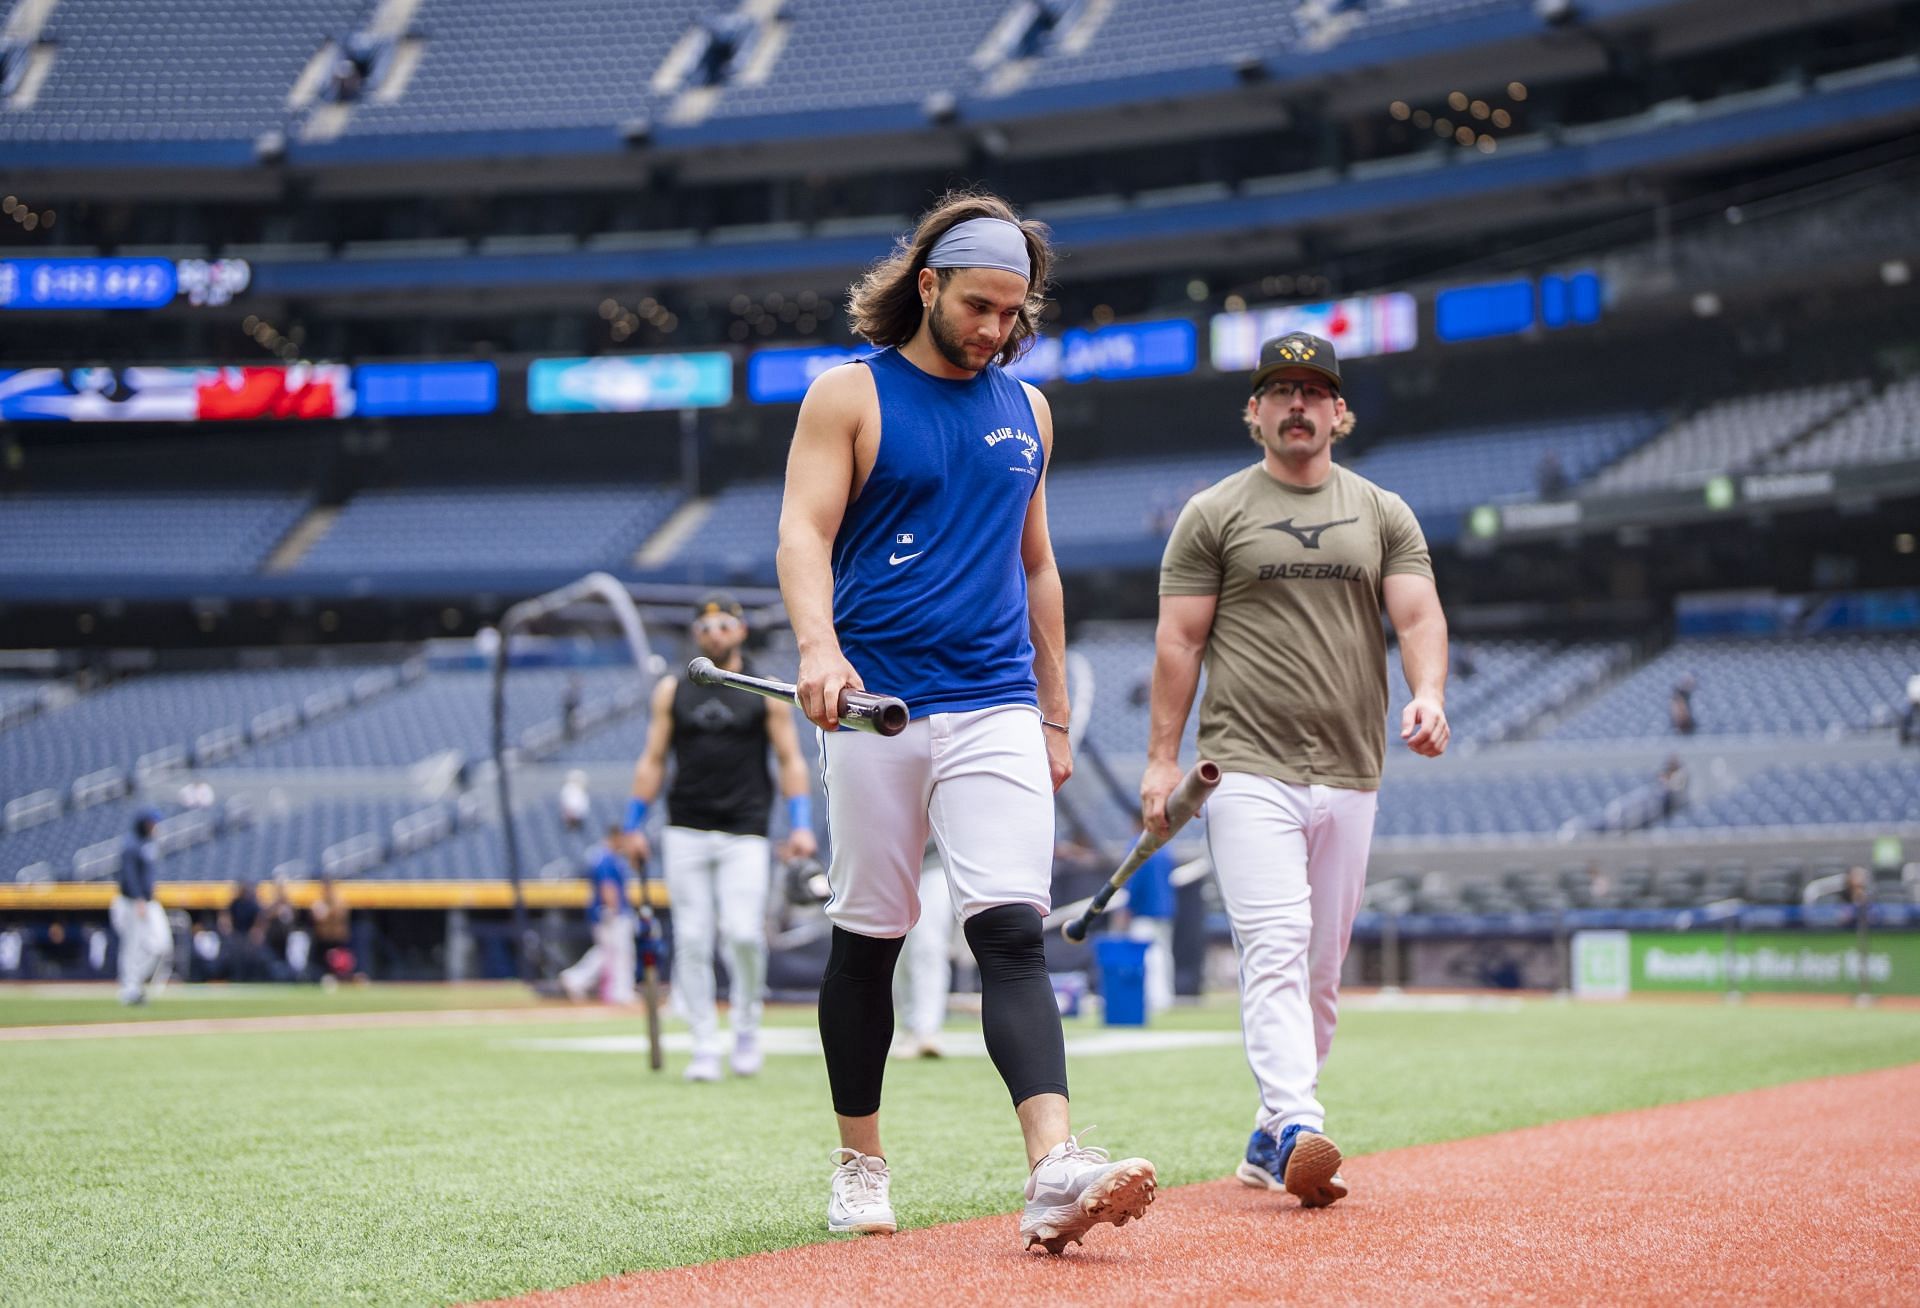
(1292, 866)
(977, 781)
(718, 882)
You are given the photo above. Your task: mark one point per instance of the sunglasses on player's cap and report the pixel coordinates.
(717, 609)
(1297, 350)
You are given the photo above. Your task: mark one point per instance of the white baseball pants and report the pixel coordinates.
(607, 968)
(145, 941)
(977, 781)
(718, 879)
(1292, 866)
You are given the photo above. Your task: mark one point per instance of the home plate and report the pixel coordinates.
(956, 1044)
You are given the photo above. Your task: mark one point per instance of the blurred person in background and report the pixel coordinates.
(719, 865)
(1680, 706)
(608, 967)
(923, 977)
(1673, 785)
(1910, 720)
(333, 932)
(575, 804)
(139, 923)
(246, 935)
(1149, 917)
(287, 942)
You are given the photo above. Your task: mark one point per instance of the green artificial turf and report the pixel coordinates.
(452, 1162)
(33, 1004)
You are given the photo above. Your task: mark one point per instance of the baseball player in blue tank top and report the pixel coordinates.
(915, 561)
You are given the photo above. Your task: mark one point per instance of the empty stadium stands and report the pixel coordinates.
(510, 64)
(1448, 473)
(1813, 686)
(737, 538)
(1791, 795)
(551, 528)
(191, 717)
(1886, 429)
(1730, 436)
(128, 70)
(198, 535)
(224, 70)
(445, 711)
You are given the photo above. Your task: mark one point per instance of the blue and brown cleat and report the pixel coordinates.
(1303, 1162)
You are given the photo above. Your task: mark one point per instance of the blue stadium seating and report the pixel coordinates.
(1807, 795)
(854, 61)
(1536, 804)
(737, 539)
(201, 535)
(131, 70)
(552, 528)
(1447, 473)
(509, 64)
(302, 834)
(1803, 687)
(114, 726)
(222, 70)
(443, 711)
(55, 842)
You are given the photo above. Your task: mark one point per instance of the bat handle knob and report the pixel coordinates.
(1075, 930)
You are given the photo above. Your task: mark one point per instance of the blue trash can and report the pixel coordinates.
(1123, 979)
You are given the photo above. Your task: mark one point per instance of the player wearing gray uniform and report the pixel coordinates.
(1276, 578)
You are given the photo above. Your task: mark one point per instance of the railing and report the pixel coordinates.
(219, 744)
(100, 787)
(31, 810)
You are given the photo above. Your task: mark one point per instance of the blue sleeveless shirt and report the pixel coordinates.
(929, 591)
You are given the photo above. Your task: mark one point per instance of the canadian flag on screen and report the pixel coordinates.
(301, 390)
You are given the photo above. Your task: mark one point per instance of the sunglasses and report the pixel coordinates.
(1286, 390)
(718, 623)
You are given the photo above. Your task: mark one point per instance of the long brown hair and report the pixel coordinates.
(884, 305)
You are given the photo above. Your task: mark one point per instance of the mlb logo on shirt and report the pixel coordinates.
(904, 538)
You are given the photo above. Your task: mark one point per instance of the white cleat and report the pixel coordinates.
(859, 1202)
(1074, 1188)
(704, 1067)
(747, 1059)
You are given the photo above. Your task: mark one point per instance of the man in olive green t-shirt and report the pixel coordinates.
(1276, 577)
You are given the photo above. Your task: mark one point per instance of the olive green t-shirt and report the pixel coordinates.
(1297, 659)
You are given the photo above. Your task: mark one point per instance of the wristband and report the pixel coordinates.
(1060, 727)
(636, 813)
(800, 812)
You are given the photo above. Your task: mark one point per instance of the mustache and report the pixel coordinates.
(1302, 424)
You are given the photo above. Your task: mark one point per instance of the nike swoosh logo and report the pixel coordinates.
(897, 559)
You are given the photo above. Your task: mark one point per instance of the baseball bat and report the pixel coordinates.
(1182, 804)
(883, 715)
(650, 969)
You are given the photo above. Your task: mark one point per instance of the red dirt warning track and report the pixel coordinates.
(1806, 1193)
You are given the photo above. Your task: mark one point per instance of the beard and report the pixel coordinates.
(951, 344)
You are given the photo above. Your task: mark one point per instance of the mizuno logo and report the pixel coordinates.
(1309, 537)
(897, 559)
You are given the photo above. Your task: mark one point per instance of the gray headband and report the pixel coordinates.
(983, 243)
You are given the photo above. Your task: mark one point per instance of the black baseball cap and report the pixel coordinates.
(1297, 350)
(718, 601)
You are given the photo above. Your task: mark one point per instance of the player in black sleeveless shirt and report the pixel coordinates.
(718, 863)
